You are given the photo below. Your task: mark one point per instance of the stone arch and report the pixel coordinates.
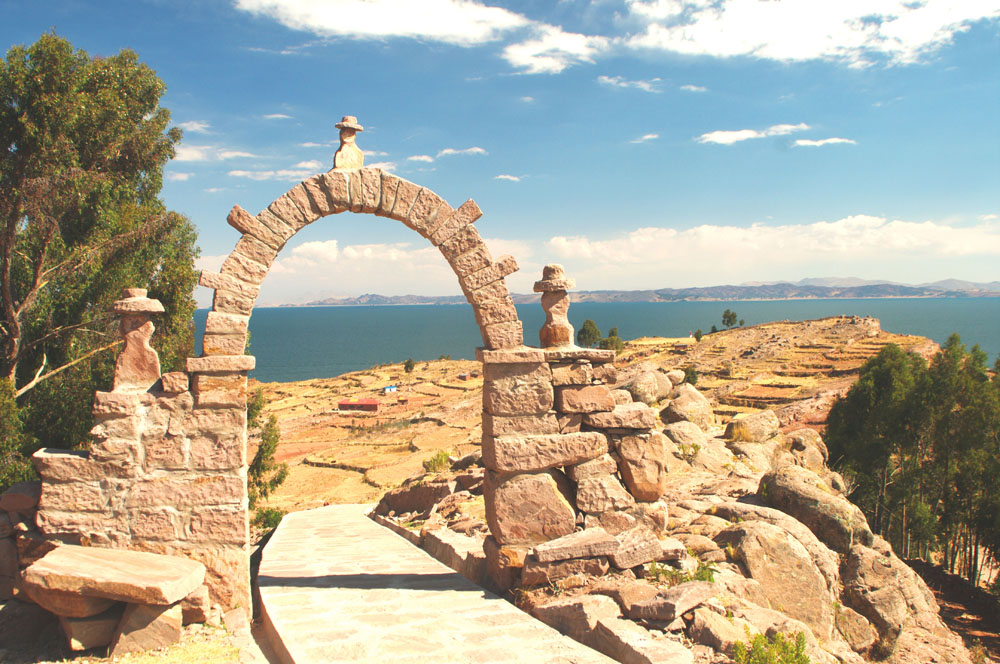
(371, 191)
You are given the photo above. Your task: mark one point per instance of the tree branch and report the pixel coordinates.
(37, 379)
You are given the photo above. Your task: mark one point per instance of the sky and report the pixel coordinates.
(640, 143)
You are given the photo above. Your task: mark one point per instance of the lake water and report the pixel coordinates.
(297, 343)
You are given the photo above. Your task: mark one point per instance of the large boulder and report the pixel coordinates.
(786, 572)
(644, 464)
(808, 449)
(529, 508)
(689, 405)
(804, 495)
(645, 382)
(754, 428)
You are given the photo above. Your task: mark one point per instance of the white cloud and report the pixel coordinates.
(179, 177)
(693, 88)
(505, 176)
(375, 153)
(195, 126)
(989, 217)
(207, 153)
(644, 138)
(461, 22)
(284, 174)
(447, 152)
(551, 50)
(215, 190)
(620, 82)
(314, 164)
(421, 157)
(277, 116)
(384, 165)
(527, 100)
(847, 246)
(854, 32)
(311, 144)
(807, 142)
(728, 137)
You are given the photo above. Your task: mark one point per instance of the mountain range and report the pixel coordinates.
(810, 288)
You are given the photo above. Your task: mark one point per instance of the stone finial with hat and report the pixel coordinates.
(349, 156)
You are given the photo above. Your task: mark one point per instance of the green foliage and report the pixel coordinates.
(698, 334)
(922, 444)
(729, 318)
(778, 650)
(267, 518)
(588, 336)
(408, 365)
(14, 464)
(437, 463)
(713, 330)
(83, 143)
(669, 576)
(691, 374)
(742, 322)
(264, 474)
(613, 342)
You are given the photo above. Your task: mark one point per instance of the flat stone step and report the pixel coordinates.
(337, 587)
(116, 574)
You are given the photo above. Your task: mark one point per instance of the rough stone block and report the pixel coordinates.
(277, 226)
(494, 272)
(320, 203)
(462, 242)
(644, 465)
(465, 215)
(638, 545)
(74, 497)
(583, 399)
(606, 373)
(495, 311)
(217, 421)
(32, 546)
(174, 382)
(621, 397)
(673, 602)
(284, 208)
(523, 425)
(528, 508)
(577, 373)
(299, 195)
(601, 493)
(144, 627)
(504, 563)
(54, 465)
(570, 422)
(120, 575)
(337, 188)
(223, 323)
(493, 291)
(198, 491)
(577, 617)
(471, 261)
(256, 250)
(389, 184)
(517, 389)
(196, 606)
(220, 363)
(220, 525)
(503, 335)
(602, 465)
(217, 453)
(231, 302)
(624, 416)
(571, 354)
(354, 189)
(422, 213)
(510, 355)
(247, 224)
(96, 631)
(227, 282)
(538, 573)
(223, 344)
(115, 403)
(371, 189)
(244, 268)
(581, 544)
(124, 428)
(166, 453)
(406, 194)
(539, 452)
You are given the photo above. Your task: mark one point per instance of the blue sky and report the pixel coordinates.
(641, 143)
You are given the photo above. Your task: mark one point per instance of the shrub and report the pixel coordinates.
(778, 650)
(691, 374)
(267, 518)
(698, 334)
(437, 463)
(408, 365)
(740, 431)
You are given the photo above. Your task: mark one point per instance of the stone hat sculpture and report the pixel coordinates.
(349, 122)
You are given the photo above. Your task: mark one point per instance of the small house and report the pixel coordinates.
(354, 403)
(388, 389)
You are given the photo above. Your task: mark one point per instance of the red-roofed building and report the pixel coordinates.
(370, 405)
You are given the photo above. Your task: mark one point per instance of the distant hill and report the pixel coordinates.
(814, 288)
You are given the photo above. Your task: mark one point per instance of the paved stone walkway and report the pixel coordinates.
(337, 587)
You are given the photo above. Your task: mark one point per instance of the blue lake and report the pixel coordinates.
(297, 343)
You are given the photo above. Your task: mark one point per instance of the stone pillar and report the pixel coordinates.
(138, 365)
(555, 301)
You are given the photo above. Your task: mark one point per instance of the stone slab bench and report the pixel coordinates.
(128, 599)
